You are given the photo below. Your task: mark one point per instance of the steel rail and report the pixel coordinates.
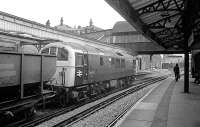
(48, 116)
(88, 112)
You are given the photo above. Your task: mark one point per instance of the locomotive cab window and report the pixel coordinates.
(45, 51)
(62, 54)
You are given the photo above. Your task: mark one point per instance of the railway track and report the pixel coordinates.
(136, 86)
(106, 103)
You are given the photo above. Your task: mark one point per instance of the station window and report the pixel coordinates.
(112, 61)
(53, 51)
(62, 54)
(123, 63)
(119, 54)
(79, 60)
(117, 64)
(45, 51)
(134, 63)
(101, 61)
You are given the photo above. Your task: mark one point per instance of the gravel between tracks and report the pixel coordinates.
(103, 117)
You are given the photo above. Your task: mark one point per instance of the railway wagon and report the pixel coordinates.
(21, 74)
(85, 70)
(21, 83)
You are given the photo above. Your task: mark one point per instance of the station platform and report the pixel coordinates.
(166, 106)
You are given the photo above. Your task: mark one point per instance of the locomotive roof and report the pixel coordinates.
(91, 49)
(107, 51)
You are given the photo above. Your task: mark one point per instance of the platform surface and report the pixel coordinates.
(166, 106)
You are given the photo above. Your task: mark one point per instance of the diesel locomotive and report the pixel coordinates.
(83, 70)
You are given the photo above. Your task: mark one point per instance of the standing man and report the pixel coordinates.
(176, 72)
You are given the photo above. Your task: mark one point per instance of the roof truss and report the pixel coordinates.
(170, 23)
(162, 6)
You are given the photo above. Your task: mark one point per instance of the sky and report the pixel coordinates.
(74, 12)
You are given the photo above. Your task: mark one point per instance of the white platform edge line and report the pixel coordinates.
(137, 103)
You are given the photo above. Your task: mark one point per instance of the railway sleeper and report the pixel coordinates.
(67, 95)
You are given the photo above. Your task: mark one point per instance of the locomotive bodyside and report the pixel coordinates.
(86, 65)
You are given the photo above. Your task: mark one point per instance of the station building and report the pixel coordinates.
(126, 36)
(79, 29)
(122, 34)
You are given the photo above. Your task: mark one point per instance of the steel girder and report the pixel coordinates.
(162, 5)
(152, 18)
(166, 6)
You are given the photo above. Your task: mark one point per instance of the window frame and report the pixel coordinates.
(117, 63)
(112, 61)
(123, 63)
(50, 49)
(101, 61)
(44, 50)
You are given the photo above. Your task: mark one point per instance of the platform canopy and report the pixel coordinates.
(173, 24)
(25, 39)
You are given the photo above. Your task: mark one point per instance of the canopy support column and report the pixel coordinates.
(186, 72)
(187, 30)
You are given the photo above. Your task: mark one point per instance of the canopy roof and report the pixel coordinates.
(25, 38)
(173, 24)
